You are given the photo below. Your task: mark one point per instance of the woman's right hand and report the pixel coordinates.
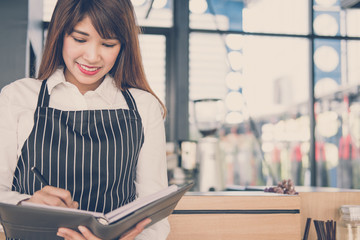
(86, 234)
(53, 196)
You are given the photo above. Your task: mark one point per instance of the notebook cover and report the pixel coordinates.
(26, 222)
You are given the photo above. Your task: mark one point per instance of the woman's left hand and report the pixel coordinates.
(86, 234)
(70, 234)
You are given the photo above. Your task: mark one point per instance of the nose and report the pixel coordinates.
(92, 53)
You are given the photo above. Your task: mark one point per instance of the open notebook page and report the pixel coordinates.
(138, 203)
(117, 213)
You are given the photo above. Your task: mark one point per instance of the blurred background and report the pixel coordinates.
(257, 90)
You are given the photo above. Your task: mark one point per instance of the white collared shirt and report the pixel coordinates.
(18, 102)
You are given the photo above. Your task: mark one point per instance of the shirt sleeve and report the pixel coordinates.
(151, 169)
(8, 150)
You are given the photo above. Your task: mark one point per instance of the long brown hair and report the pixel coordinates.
(111, 19)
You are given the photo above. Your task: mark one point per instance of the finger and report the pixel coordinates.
(75, 204)
(42, 197)
(141, 225)
(87, 233)
(131, 234)
(69, 234)
(54, 197)
(53, 201)
(63, 194)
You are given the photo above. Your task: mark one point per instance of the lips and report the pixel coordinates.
(88, 70)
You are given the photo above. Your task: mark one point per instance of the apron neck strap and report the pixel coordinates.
(129, 99)
(43, 100)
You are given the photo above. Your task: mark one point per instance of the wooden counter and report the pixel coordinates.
(316, 203)
(236, 215)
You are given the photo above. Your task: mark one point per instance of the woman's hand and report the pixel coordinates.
(86, 234)
(53, 196)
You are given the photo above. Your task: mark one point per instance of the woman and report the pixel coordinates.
(92, 125)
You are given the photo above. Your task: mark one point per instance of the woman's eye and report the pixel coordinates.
(108, 45)
(79, 40)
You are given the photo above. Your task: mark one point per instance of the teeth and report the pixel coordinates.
(89, 69)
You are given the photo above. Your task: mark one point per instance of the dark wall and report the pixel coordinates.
(20, 21)
(35, 29)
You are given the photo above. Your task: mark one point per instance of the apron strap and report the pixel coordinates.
(129, 99)
(43, 100)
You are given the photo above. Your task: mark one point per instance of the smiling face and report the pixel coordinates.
(87, 56)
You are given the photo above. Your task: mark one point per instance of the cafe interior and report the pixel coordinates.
(263, 101)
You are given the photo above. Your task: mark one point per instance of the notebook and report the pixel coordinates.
(36, 221)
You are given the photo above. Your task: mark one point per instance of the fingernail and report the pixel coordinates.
(81, 228)
(59, 233)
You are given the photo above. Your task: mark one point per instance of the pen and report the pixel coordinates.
(39, 176)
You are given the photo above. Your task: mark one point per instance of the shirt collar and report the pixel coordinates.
(55, 79)
(107, 89)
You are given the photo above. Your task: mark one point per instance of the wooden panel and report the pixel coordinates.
(239, 202)
(234, 226)
(324, 206)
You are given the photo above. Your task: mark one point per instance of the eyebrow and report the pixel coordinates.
(80, 32)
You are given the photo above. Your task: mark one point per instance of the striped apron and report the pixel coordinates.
(91, 153)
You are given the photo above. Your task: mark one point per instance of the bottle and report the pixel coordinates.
(348, 227)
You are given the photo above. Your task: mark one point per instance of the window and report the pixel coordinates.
(265, 85)
(157, 13)
(153, 51)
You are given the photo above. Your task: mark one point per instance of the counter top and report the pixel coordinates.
(236, 193)
(229, 214)
(235, 188)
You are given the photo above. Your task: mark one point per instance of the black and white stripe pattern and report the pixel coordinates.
(91, 153)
